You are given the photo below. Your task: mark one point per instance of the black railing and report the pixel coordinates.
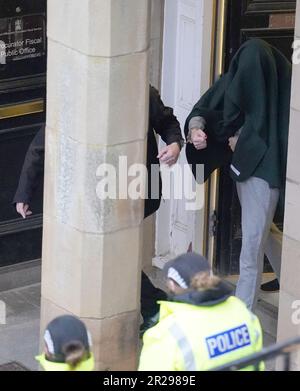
(284, 349)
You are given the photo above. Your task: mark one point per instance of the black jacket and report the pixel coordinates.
(33, 169)
(161, 121)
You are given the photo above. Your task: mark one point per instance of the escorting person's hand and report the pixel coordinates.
(170, 154)
(23, 209)
(199, 139)
(232, 142)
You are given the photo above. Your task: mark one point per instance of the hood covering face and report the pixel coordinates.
(255, 95)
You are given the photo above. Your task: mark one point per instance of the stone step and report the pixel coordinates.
(20, 275)
(268, 316)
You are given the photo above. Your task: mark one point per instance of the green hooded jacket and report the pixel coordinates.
(254, 95)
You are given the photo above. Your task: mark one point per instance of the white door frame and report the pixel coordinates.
(186, 74)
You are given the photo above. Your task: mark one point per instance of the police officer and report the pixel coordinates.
(67, 346)
(202, 326)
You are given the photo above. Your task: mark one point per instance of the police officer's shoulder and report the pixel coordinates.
(161, 329)
(241, 306)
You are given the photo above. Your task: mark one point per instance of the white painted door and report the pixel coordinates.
(182, 76)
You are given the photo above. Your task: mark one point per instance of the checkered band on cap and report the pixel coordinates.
(174, 275)
(49, 342)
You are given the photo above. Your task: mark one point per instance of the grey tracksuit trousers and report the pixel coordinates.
(260, 237)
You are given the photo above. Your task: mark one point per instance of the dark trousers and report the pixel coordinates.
(149, 297)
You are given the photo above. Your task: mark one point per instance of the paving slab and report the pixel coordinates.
(19, 337)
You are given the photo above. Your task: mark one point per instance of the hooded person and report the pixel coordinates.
(67, 346)
(202, 326)
(243, 121)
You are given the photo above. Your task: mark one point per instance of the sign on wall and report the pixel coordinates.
(22, 38)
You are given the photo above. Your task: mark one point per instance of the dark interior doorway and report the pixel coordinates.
(273, 21)
(23, 55)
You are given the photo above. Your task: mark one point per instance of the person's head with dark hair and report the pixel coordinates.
(67, 346)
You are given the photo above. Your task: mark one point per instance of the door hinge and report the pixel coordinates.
(214, 223)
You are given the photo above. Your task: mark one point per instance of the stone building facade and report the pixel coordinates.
(102, 54)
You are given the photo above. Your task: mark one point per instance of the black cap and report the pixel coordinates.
(63, 330)
(183, 268)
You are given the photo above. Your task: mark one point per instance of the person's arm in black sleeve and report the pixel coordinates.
(163, 119)
(165, 124)
(31, 174)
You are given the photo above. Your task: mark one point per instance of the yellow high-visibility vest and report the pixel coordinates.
(194, 338)
(84, 366)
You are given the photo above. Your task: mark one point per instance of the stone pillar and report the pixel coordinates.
(97, 110)
(289, 306)
(156, 39)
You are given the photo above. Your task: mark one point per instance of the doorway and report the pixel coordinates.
(23, 54)
(272, 21)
